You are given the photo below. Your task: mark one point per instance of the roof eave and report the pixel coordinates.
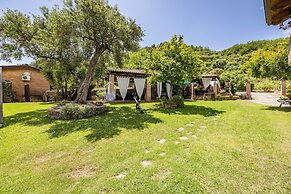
(267, 7)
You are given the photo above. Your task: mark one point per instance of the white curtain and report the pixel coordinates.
(110, 96)
(123, 85)
(159, 88)
(206, 82)
(212, 83)
(216, 81)
(169, 90)
(139, 85)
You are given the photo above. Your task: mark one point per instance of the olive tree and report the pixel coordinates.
(78, 33)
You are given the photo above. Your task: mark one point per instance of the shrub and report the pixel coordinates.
(176, 101)
(101, 93)
(266, 85)
(179, 100)
(76, 111)
(8, 94)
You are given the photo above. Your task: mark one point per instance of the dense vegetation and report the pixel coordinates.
(264, 59)
(8, 94)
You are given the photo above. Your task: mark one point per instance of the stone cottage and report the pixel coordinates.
(28, 82)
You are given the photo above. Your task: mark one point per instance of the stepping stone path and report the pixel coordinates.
(120, 176)
(189, 125)
(194, 136)
(162, 141)
(177, 142)
(190, 133)
(162, 154)
(183, 138)
(146, 163)
(181, 129)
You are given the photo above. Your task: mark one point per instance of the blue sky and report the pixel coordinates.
(217, 24)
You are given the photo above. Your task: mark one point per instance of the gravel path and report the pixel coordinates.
(269, 99)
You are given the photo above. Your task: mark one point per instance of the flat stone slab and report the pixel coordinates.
(181, 129)
(198, 129)
(194, 136)
(202, 127)
(190, 133)
(183, 138)
(217, 116)
(120, 176)
(177, 142)
(189, 125)
(146, 163)
(161, 175)
(161, 141)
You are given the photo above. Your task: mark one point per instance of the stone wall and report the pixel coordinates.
(38, 84)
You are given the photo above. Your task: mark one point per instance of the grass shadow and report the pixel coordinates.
(106, 125)
(102, 126)
(282, 109)
(32, 118)
(189, 110)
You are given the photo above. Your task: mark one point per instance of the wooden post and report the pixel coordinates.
(1, 98)
(283, 87)
(289, 48)
(148, 91)
(192, 92)
(111, 83)
(249, 90)
(215, 89)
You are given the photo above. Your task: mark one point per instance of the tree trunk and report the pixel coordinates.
(83, 89)
(230, 88)
(66, 88)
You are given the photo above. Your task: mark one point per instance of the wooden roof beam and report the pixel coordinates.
(281, 5)
(281, 16)
(267, 6)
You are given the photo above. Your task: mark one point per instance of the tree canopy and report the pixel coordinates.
(171, 61)
(175, 61)
(79, 33)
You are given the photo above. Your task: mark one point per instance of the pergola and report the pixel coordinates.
(277, 11)
(130, 73)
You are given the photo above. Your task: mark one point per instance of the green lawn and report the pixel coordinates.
(244, 148)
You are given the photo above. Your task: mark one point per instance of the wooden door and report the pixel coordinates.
(26, 93)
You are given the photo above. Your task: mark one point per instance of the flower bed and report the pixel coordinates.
(72, 111)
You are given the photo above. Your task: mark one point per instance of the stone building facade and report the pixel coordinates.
(28, 82)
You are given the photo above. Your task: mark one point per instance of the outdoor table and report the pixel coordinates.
(284, 101)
